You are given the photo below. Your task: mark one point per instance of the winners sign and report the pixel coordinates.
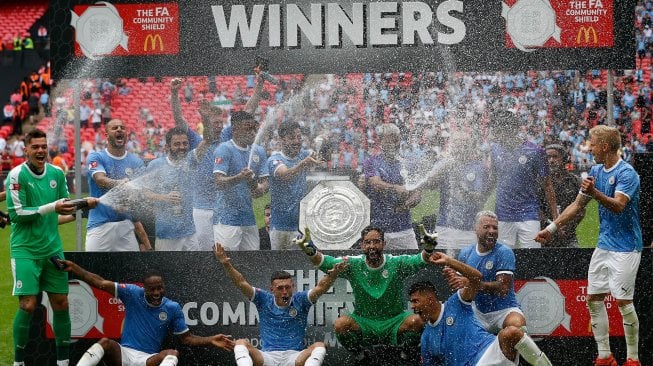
(200, 37)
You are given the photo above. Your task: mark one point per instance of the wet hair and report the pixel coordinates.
(34, 134)
(287, 128)
(241, 116)
(151, 273)
(173, 132)
(560, 149)
(373, 228)
(280, 275)
(484, 213)
(426, 286)
(607, 134)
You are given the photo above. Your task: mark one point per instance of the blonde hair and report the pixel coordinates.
(608, 135)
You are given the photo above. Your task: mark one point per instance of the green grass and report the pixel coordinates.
(587, 236)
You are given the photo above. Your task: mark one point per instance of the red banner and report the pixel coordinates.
(559, 24)
(93, 313)
(557, 308)
(135, 29)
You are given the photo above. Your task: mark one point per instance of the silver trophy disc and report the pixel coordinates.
(336, 212)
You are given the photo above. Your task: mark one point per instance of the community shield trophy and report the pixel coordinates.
(336, 212)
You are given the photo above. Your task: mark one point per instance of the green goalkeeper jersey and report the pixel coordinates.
(378, 292)
(34, 235)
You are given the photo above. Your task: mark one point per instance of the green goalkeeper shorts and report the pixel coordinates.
(380, 331)
(31, 276)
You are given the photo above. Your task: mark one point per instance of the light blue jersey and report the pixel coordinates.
(115, 167)
(146, 326)
(234, 204)
(500, 260)
(282, 329)
(619, 232)
(516, 171)
(286, 194)
(172, 221)
(201, 171)
(456, 338)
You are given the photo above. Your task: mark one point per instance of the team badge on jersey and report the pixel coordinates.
(611, 180)
(470, 177)
(489, 265)
(449, 320)
(218, 160)
(53, 184)
(129, 171)
(163, 316)
(292, 312)
(385, 273)
(255, 158)
(15, 187)
(93, 165)
(523, 159)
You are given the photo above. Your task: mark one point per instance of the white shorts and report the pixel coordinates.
(494, 357)
(186, 243)
(522, 232)
(613, 272)
(132, 357)
(493, 321)
(237, 237)
(450, 238)
(203, 220)
(280, 358)
(112, 237)
(282, 240)
(400, 240)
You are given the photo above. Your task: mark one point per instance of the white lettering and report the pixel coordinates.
(230, 316)
(338, 20)
(379, 25)
(249, 32)
(417, 17)
(204, 313)
(161, 11)
(296, 20)
(457, 25)
(327, 24)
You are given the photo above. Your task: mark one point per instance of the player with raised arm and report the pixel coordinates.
(149, 315)
(452, 334)
(614, 184)
(283, 316)
(377, 280)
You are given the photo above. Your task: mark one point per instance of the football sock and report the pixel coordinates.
(631, 330)
(169, 360)
(242, 356)
(92, 356)
(22, 323)
(61, 328)
(316, 357)
(600, 327)
(531, 352)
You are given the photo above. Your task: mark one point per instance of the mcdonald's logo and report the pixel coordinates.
(152, 40)
(586, 32)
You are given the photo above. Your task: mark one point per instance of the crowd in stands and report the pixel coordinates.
(339, 113)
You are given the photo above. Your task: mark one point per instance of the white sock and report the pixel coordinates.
(92, 356)
(169, 360)
(600, 327)
(62, 362)
(316, 357)
(631, 330)
(531, 352)
(242, 356)
(19, 363)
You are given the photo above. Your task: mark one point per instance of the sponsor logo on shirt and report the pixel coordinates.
(15, 187)
(218, 160)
